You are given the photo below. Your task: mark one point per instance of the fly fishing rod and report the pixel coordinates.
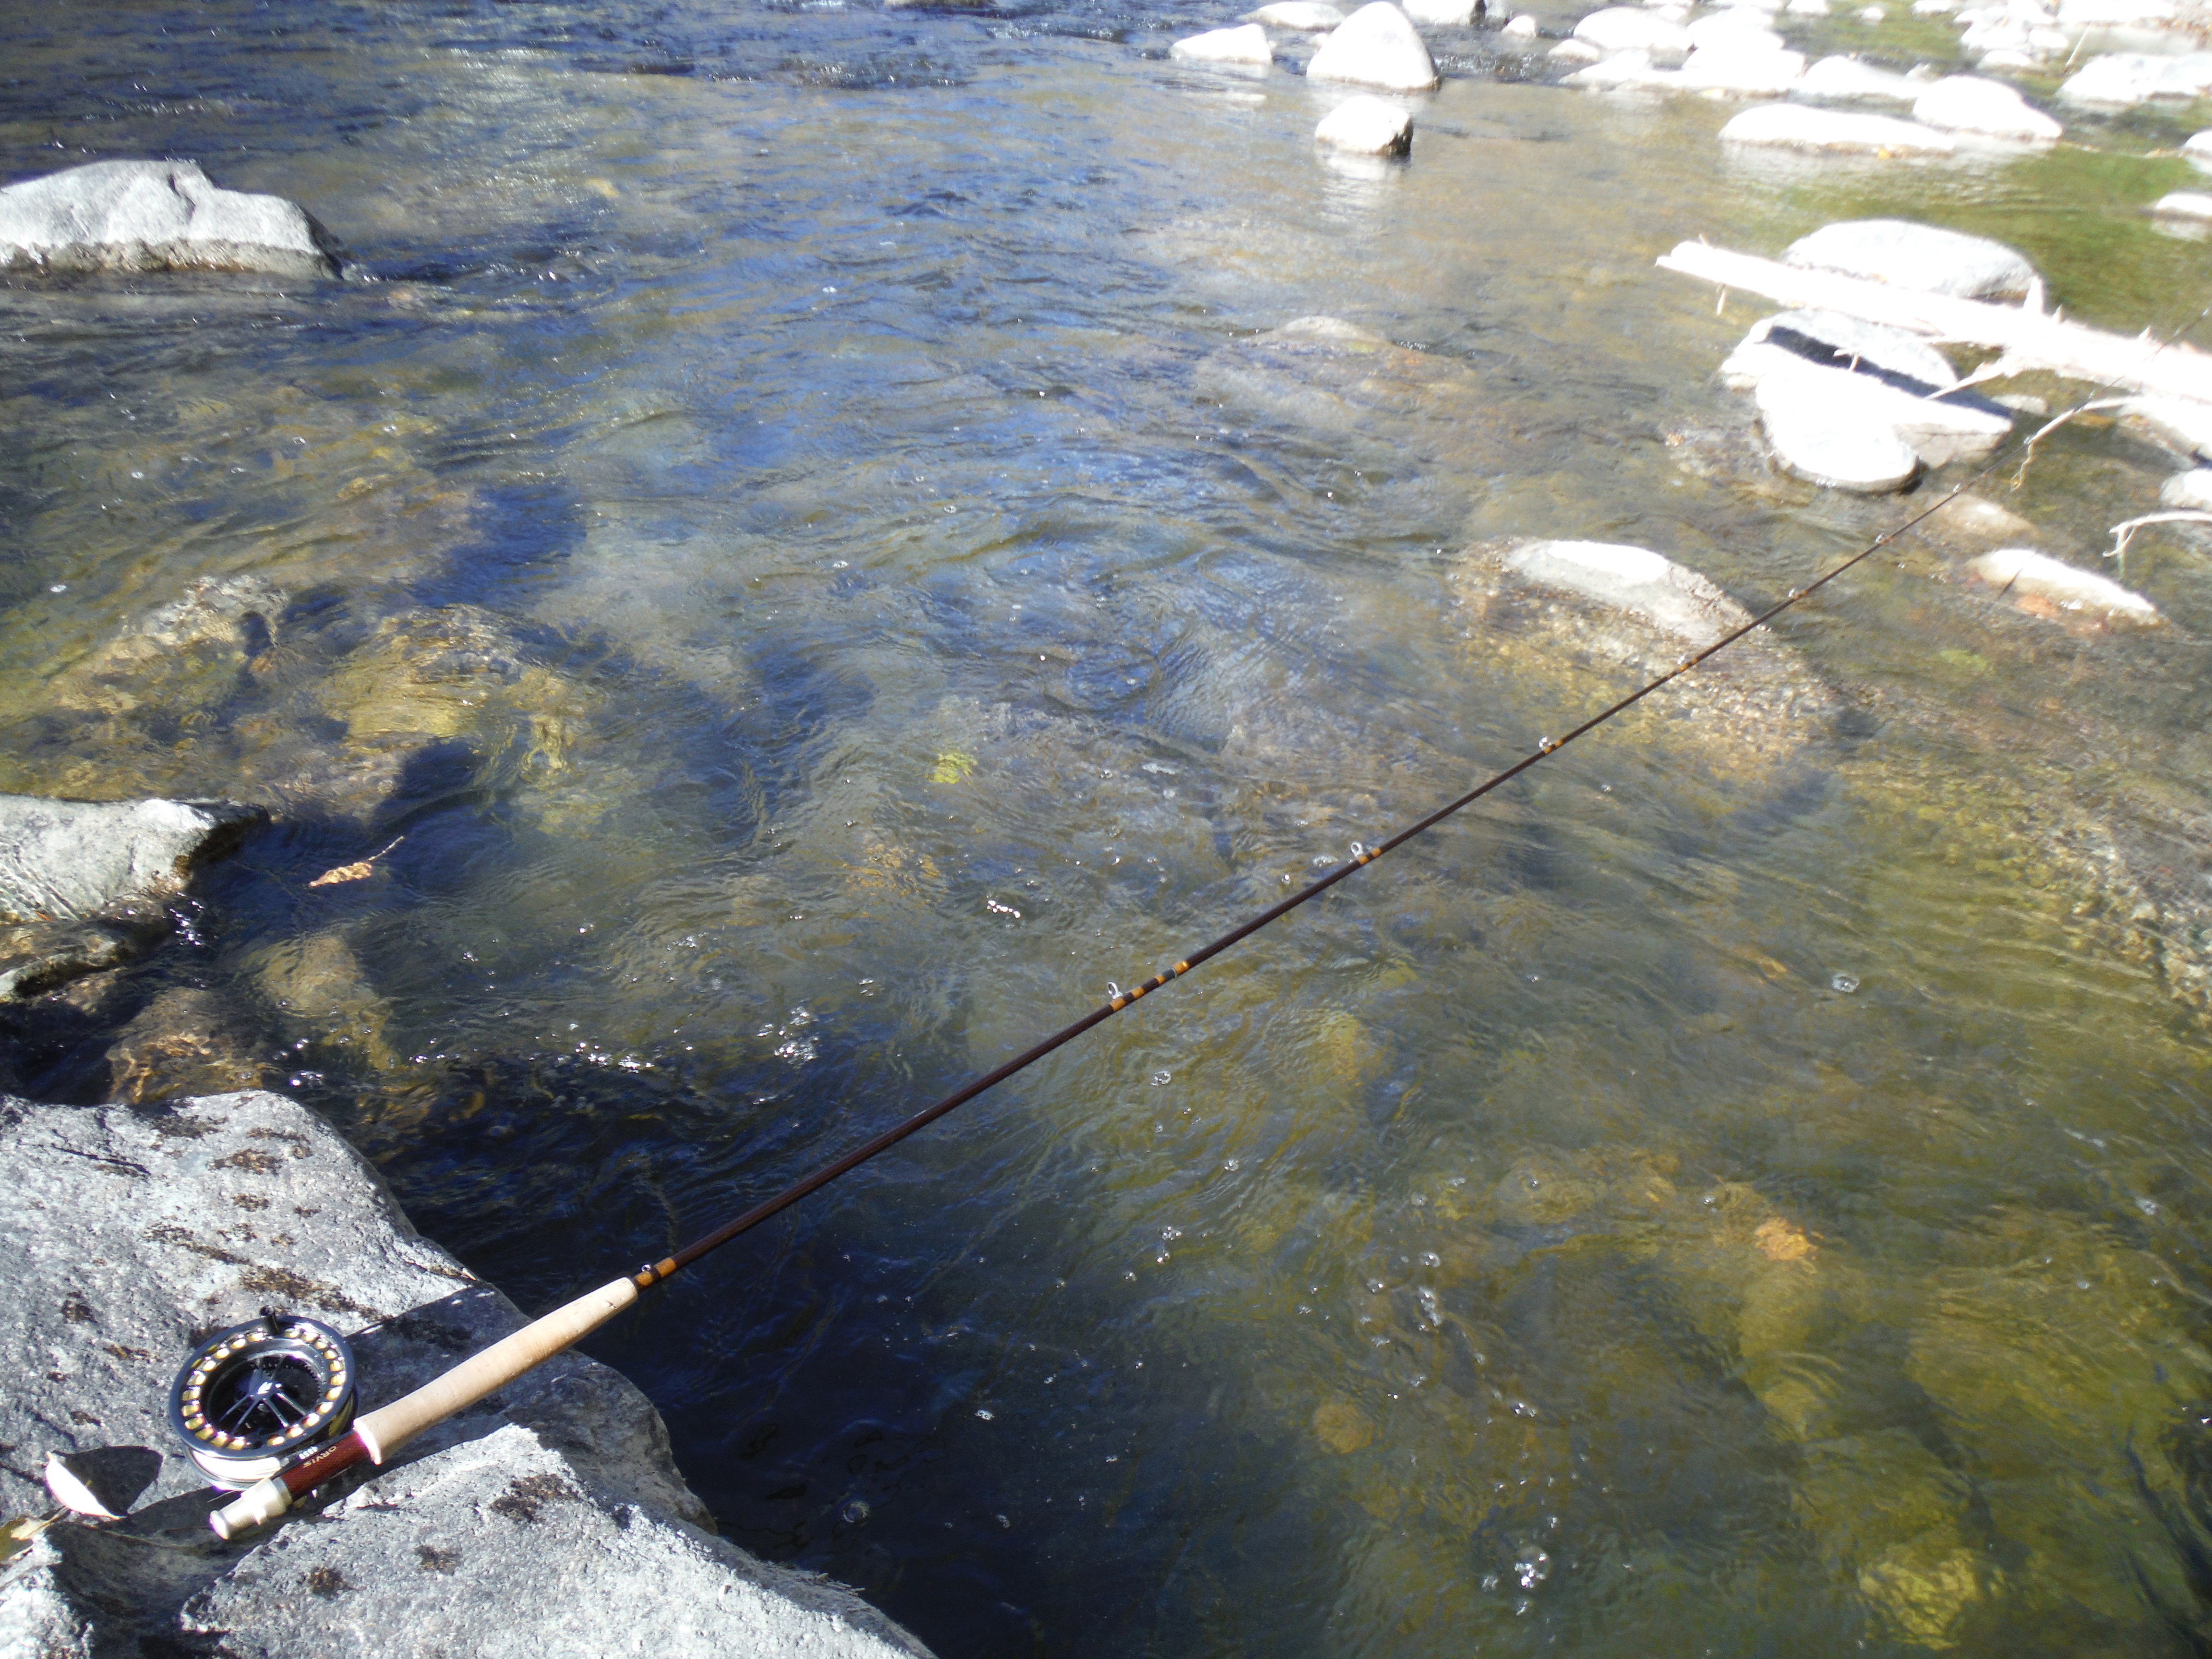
(260, 1394)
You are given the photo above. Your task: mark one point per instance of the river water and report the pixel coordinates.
(791, 563)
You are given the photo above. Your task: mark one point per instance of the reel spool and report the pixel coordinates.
(252, 1399)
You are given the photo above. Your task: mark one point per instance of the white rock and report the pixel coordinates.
(1965, 103)
(2184, 204)
(2191, 490)
(1924, 257)
(1623, 69)
(1747, 72)
(1246, 45)
(1794, 126)
(1872, 15)
(1376, 46)
(1998, 63)
(1933, 8)
(1366, 126)
(1673, 598)
(1836, 447)
(1441, 14)
(1802, 335)
(1629, 29)
(2092, 14)
(2135, 77)
(2018, 570)
(1522, 28)
(1734, 26)
(1575, 51)
(156, 216)
(2182, 423)
(1851, 80)
(1299, 16)
(2197, 150)
(1997, 34)
(2048, 42)
(1937, 432)
(1808, 8)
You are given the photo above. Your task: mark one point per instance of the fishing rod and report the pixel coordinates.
(294, 1375)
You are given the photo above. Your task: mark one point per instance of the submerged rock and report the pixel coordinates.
(1244, 44)
(2024, 575)
(1366, 126)
(2189, 491)
(1673, 598)
(1791, 127)
(82, 883)
(561, 1498)
(1924, 257)
(1967, 103)
(156, 216)
(1376, 46)
(1301, 16)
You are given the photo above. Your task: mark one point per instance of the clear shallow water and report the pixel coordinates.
(799, 574)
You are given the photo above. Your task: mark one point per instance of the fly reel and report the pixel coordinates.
(252, 1399)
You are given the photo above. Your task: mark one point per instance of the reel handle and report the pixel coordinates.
(384, 1430)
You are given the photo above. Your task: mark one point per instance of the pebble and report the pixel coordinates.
(1522, 28)
(1376, 46)
(1796, 127)
(1632, 28)
(2016, 570)
(2192, 489)
(1366, 126)
(1244, 44)
(1811, 442)
(2184, 204)
(1848, 80)
(2196, 149)
(1924, 257)
(1300, 16)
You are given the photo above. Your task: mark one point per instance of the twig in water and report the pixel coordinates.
(2124, 533)
(2027, 449)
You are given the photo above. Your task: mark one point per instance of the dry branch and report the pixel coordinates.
(2030, 338)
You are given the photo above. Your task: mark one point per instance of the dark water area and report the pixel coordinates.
(794, 561)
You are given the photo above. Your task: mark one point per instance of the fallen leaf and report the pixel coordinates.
(1340, 1427)
(343, 872)
(1779, 1241)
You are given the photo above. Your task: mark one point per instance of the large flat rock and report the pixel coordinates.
(549, 1522)
(156, 216)
(82, 883)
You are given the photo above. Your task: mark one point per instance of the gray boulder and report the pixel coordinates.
(1926, 258)
(549, 1522)
(1832, 441)
(156, 216)
(82, 882)
(1830, 339)
(1672, 597)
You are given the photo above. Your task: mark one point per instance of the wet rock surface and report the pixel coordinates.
(84, 884)
(1376, 46)
(1926, 258)
(135, 1231)
(156, 216)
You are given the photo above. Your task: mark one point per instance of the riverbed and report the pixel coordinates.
(791, 566)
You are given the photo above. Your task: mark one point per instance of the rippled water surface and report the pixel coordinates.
(789, 559)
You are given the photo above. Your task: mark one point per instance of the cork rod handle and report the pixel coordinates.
(387, 1428)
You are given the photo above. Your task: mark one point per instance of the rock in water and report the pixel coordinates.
(1741, 71)
(2183, 204)
(2190, 491)
(1940, 430)
(1919, 256)
(2196, 150)
(82, 882)
(1301, 16)
(1632, 28)
(1246, 45)
(1837, 448)
(1376, 46)
(2135, 77)
(1832, 340)
(156, 216)
(133, 1231)
(1673, 598)
(1737, 27)
(1847, 79)
(1366, 126)
(2018, 571)
(1442, 14)
(1790, 126)
(1522, 28)
(1966, 103)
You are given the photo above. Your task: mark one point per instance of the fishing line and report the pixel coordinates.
(375, 1435)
